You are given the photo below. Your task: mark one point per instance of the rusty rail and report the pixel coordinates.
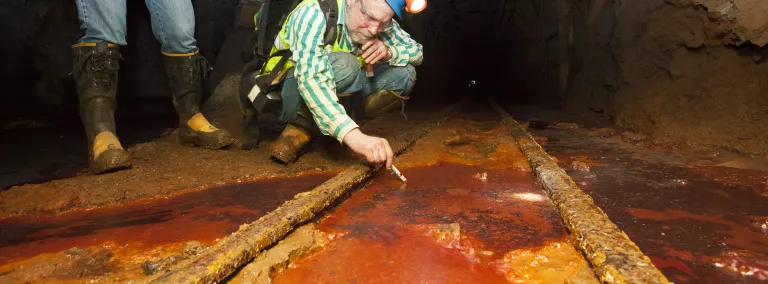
(614, 257)
(237, 249)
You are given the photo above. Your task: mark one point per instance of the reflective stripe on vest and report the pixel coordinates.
(281, 44)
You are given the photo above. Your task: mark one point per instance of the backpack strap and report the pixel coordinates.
(261, 52)
(265, 82)
(263, 39)
(262, 26)
(331, 10)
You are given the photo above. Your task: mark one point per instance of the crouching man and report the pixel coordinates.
(325, 84)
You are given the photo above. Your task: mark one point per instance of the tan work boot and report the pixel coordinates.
(185, 73)
(295, 137)
(290, 143)
(108, 154)
(95, 69)
(197, 131)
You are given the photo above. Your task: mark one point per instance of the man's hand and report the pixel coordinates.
(374, 51)
(376, 150)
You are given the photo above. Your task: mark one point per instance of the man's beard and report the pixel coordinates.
(359, 38)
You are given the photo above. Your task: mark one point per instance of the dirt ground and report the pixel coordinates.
(162, 167)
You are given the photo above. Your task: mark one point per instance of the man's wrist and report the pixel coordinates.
(350, 135)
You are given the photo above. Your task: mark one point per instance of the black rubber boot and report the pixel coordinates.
(95, 69)
(250, 116)
(252, 131)
(185, 73)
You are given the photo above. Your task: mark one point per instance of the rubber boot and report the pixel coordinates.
(185, 73)
(294, 138)
(250, 115)
(252, 131)
(95, 69)
(379, 103)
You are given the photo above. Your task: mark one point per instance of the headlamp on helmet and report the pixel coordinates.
(410, 6)
(415, 6)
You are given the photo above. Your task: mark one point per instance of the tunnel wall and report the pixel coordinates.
(681, 71)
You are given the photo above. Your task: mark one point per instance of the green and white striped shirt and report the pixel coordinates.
(304, 32)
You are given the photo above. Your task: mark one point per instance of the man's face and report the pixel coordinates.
(365, 19)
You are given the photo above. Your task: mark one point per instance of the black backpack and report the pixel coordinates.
(272, 16)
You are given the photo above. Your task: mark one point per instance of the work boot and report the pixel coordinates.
(290, 143)
(185, 73)
(294, 138)
(95, 69)
(379, 103)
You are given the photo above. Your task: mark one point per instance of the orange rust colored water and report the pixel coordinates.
(735, 177)
(554, 263)
(746, 263)
(671, 263)
(139, 227)
(412, 259)
(733, 234)
(445, 225)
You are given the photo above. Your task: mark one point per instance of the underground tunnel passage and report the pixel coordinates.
(556, 141)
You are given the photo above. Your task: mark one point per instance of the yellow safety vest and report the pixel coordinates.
(273, 60)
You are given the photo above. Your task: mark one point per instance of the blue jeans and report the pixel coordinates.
(173, 23)
(351, 79)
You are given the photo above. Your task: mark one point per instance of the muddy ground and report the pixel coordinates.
(160, 165)
(470, 209)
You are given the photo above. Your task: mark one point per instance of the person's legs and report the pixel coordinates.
(301, 123)
(102, 21)
(95, 68)
(346, 73)
(173, 23)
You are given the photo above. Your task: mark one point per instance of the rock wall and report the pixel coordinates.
(683, 71)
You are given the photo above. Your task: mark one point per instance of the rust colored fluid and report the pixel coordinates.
(203, 216)
(450, 223)
(697, 224)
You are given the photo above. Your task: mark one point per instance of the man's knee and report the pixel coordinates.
(405, 79)
(346, 69)
(411, 79)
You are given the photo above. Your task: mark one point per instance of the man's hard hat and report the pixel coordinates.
(410, 6)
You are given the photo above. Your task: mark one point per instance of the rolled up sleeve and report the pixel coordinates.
(404, 49)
